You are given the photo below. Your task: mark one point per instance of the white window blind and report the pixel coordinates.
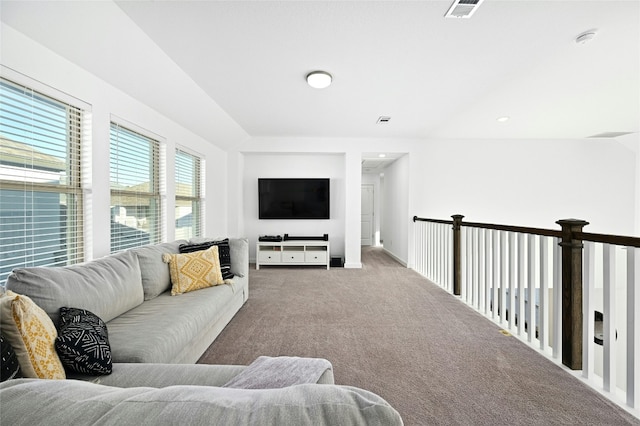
(188, 195)
(135, 189)
(41, 218)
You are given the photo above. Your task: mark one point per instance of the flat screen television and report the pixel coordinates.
(286, 198)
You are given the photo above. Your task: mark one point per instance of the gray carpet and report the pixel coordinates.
(389, 330)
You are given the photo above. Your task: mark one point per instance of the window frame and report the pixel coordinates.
(22, 96)
(154, 196)
(196, 199)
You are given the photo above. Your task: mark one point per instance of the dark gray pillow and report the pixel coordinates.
(224, 254)
(9, 366)
(83, 342)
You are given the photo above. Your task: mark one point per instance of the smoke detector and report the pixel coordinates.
(463, 8)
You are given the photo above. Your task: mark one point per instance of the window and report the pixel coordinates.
(188, 195)
(41, 220)
(135, 189)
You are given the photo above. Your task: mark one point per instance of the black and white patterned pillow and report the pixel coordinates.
(224, 254)
(83, 342)
(9, 366)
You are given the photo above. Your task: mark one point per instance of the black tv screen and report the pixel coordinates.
(293, 198)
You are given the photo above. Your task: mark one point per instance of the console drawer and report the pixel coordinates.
(315, 256)
(269, 256)
(293, 256)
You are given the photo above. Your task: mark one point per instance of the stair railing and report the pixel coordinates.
(571, 295)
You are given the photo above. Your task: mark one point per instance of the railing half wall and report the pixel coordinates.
(573, 304)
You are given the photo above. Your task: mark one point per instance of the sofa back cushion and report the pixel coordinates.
(155, 273)
(108, 287)
(77, 402)
(239, 256)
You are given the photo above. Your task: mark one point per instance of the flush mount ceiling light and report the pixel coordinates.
(502, 119)
(319, 79)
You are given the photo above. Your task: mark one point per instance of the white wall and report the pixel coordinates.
(347, 239)
(395, 206)
(514, 182)
(527, 182)
(32, 64)
(632, 142)
(278, 165)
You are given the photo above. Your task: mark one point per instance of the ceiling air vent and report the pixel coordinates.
(383, 119)
(463, 8)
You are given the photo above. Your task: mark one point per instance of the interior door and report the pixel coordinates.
(366, 197)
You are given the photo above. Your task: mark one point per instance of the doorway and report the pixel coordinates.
(367, 215)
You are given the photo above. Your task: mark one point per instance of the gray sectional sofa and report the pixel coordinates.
(155, 338)
(129, 291)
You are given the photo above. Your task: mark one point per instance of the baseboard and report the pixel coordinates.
(402, 262)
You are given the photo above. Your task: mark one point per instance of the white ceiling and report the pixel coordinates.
(244, 63)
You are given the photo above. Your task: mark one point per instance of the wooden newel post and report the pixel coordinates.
(571, 293)
(457, 274)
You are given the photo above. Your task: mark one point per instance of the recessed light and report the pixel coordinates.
(502, 119)
(319, 79)
(382, 155)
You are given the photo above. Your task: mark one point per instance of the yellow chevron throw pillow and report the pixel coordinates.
(32, 334)
(193, 271)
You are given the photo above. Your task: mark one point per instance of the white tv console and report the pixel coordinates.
(293, 252)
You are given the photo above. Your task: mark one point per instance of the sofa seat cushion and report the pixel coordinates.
(159, 329)
(81, 403)
(108, 287)
(131, 375)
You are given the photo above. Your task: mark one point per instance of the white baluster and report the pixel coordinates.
(487, 270)
(608, 370)
(504, 270)
(543, 327)
(588, 309)
(497, 276)
(557, 300)
(531, 287)
(463, 264)
(521, 284)
(512, 279)
(633, 327)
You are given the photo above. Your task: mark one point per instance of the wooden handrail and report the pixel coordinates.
(508, 228)
(422, 219)
(617, 240)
